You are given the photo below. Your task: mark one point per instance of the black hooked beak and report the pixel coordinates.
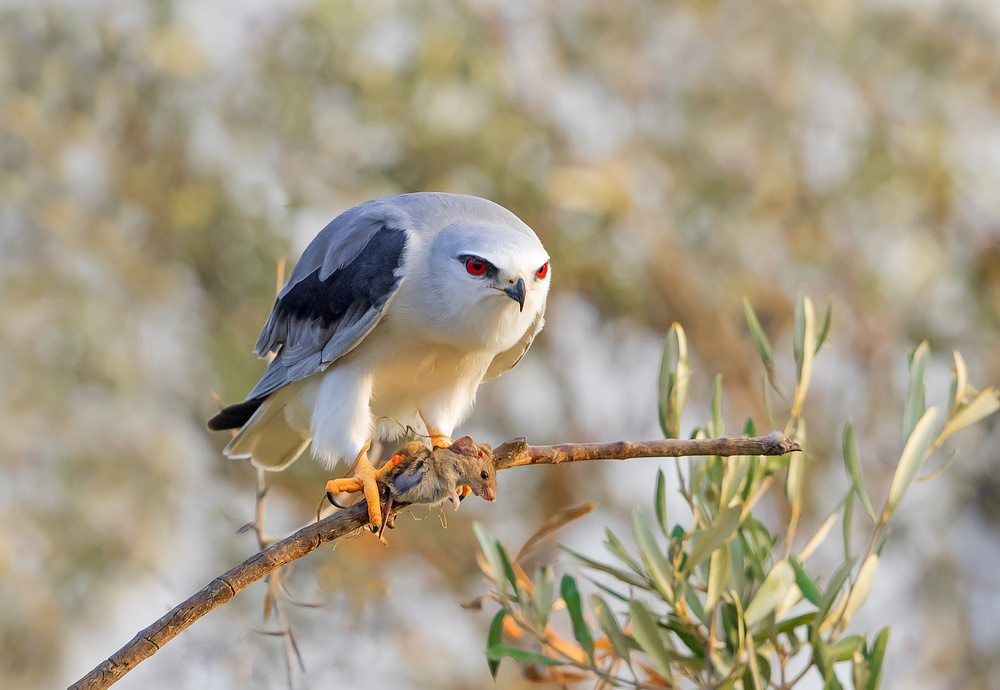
(516, 292)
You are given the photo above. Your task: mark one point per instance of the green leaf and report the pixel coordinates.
(757, 547)
(718, 428)
(860, 673)
(571, 595)
(609, 624)
(915, 404)
(875, 657)
(493, 639)
(805, 583)
(732, 478)
(718, 574)
(737, 569)
(487, 544)
(691, 597)
(647, 634)
(508, 569)
(817, 539)
(794, 480)
(715, 535)
(914, 453)
(660, 571)
(626, 577)
(522, 656)
(985, 404)
(825, 328)
(820, 654)
(848, 514)
(617, 549)
(603, 587)
(761, 342)
(749, 428)
(844, 648)
(686, 632)
(661, 501)
(833, 683)
(959, 384)
(674, 378)
(833, 587)
(853, 466)
(779, 580)
(804, 345)
(543, 588)
(861, 589)
(786, 626)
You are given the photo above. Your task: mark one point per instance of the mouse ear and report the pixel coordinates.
(464, 445)
(486, 448)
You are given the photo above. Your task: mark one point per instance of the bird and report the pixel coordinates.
(393, 316)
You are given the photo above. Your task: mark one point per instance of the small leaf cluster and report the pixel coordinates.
(723, 602)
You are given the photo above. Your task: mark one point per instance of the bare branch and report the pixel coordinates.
(515, 453)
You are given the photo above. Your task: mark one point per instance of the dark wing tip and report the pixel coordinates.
(234, 416)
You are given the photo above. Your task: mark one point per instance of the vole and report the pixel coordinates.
(419, 474)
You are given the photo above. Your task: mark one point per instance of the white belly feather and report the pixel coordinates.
(396, 382)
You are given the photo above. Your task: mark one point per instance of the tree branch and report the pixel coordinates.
(515, 453)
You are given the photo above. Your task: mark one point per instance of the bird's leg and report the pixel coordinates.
(438, 439)
(365, 479)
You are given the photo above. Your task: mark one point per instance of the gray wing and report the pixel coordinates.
(506, 360)
(334, 297)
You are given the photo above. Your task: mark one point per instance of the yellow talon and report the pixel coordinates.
(365, 479)
(440, 441)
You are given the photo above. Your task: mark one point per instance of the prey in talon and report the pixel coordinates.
(423, 475)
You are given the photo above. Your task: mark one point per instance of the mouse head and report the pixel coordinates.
(477, 467)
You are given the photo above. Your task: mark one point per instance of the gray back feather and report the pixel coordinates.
(334, 297)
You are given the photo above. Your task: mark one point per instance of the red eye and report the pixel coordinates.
(475, 266)
(543, 271)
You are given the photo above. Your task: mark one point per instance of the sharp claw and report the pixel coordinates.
(331, 499)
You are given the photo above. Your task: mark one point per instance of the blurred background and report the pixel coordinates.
(157, 160)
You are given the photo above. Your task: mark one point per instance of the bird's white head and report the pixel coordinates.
(490, 282)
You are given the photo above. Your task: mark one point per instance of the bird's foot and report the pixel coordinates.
(438, 439)
(441, 441)
(365, 479)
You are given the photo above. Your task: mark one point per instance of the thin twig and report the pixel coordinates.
(516, 453)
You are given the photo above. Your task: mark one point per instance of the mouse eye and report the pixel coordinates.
(484, 474)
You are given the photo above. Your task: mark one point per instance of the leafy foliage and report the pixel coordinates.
(724, 602)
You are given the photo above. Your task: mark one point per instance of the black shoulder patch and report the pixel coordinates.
(363, 284)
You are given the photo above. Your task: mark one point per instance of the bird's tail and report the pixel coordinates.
(267, 439)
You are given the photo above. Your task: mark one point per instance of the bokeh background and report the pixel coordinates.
(158, 158)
